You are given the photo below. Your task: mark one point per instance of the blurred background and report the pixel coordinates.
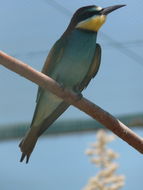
(29, 28)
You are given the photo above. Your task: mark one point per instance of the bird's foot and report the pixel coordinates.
(62, 86)
(78, 96)
(78, 93)
(75, 90)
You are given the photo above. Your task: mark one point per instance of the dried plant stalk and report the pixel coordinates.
(103, 157)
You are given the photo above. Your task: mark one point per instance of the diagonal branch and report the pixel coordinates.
(83, 104)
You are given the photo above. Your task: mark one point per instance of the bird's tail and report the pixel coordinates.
(27, 145)
(29, 141)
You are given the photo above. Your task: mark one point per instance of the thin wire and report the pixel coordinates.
(126, 51)
(131, 43)
(59, 7)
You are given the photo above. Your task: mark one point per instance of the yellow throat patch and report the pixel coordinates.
(92, 24)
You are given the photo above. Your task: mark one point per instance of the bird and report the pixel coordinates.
(72, 62)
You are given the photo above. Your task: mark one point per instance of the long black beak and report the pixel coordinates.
(107, 10)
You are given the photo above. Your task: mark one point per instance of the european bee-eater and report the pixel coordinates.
(73, 61)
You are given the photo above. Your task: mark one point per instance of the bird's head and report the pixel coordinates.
(91, 17)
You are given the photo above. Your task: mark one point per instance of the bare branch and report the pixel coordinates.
(83, 104)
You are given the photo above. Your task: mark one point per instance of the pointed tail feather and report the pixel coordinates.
(27, 145)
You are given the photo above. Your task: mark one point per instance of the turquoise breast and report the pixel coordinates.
(77, 58)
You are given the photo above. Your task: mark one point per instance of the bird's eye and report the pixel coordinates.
(88, 14)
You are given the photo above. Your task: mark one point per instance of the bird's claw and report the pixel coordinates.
(62, 86)
(76, 90)
(79, 96)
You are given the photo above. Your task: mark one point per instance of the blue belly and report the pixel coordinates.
(78, 57)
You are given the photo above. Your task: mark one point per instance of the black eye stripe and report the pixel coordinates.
(90, 13)
(87, 15)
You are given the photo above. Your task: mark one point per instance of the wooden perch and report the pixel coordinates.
(83, 104)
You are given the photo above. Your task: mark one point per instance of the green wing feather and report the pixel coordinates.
(54, 55)
(93, 68)
(51, 62)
